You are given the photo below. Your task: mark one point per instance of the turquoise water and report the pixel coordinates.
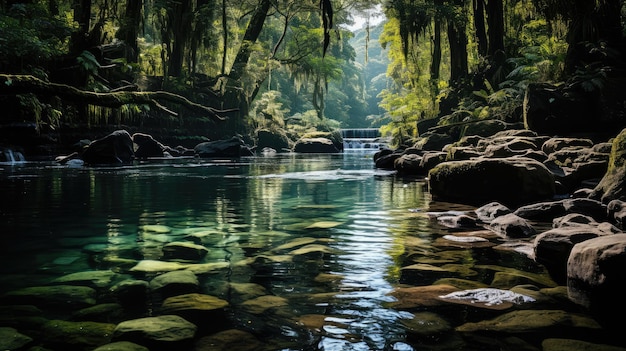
(251, 214)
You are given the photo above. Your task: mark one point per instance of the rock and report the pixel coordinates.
(54, 296)
(175, 283)
(488, 298)
(276, 140)
(115, 148)
(233, 147)
(167, 332)
(617, 213)
(184, 251)
(264, 303)
(132, 294)
(147, 146)
(153, 266)
(419, 297)
(611, 187)
(409, 164)
(596, 275)
(103, 313)
(491, 211)
(511, 182)
(315, 145)
(559, 143)
(527, 322)
(198, 308)
(433, 141)
(552, 248)
(228, 340)
(386, 158)
(11, 339)
(94, 279)
(121, 346)
(512, 226)
(76, 335)
(425, 325)
(547, 211)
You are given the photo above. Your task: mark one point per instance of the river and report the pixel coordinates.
(365, 225)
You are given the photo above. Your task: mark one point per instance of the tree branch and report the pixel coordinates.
(24, 84)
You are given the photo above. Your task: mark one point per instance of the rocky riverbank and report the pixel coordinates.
(518, 179)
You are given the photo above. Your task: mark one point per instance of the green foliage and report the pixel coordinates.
(30, 37)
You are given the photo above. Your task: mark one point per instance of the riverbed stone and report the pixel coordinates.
(264, 303)
(121, 346)
(552, 248)
(559, 143)
(11, 339)
(155, 266)
(511, 182)
(424, 325)
(167, 332)
(541, 322)
(228, 340)
(617, 213)
(53, 297)
(548, 210)
(198, 308)
(175, 283)
(132, 294)
(184, 251)
(94, 279)
(76, 335)
(103, 313)
(596, 275)
(407, 298)
(488, 298)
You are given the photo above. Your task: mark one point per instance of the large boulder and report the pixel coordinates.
(510, 181)
(276, 140)
(147, 147)
(611, 187)
(115, 148)
(596, 275)
(233, 147)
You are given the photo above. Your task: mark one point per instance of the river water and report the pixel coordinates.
(361, 226)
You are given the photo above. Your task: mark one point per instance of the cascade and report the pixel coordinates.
(362, 139)
(8, 156)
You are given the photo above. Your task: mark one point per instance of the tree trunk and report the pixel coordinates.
(80, 40)
(495, 23)
(435, 65)
(250, 37)
(129, 29)
(180, 21)
(479, 26)
(458, 52)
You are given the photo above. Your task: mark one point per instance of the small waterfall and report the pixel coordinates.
(11, 157)
(362, 139)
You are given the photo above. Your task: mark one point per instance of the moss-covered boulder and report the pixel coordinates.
(510, 181)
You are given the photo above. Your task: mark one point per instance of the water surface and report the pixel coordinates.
(252, 213)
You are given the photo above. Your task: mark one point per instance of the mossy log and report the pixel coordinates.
(25, 84)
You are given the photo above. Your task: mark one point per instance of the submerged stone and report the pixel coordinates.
(54, 296)
(425, 325)
(262, 304)
(157, 333)
(228, 340)
(77, 335)
(154, 266)
(95, 279)
(121, 346)
(11, 339)
(487, 298)
(571, 344)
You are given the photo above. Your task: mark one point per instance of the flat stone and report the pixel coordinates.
(162, 332)
(537, 321)
(54, 296)
(419, 296)
(261, 304)
(426, 324)
(95, 279)
(154, 266)
(121, 346)
(228, 340)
